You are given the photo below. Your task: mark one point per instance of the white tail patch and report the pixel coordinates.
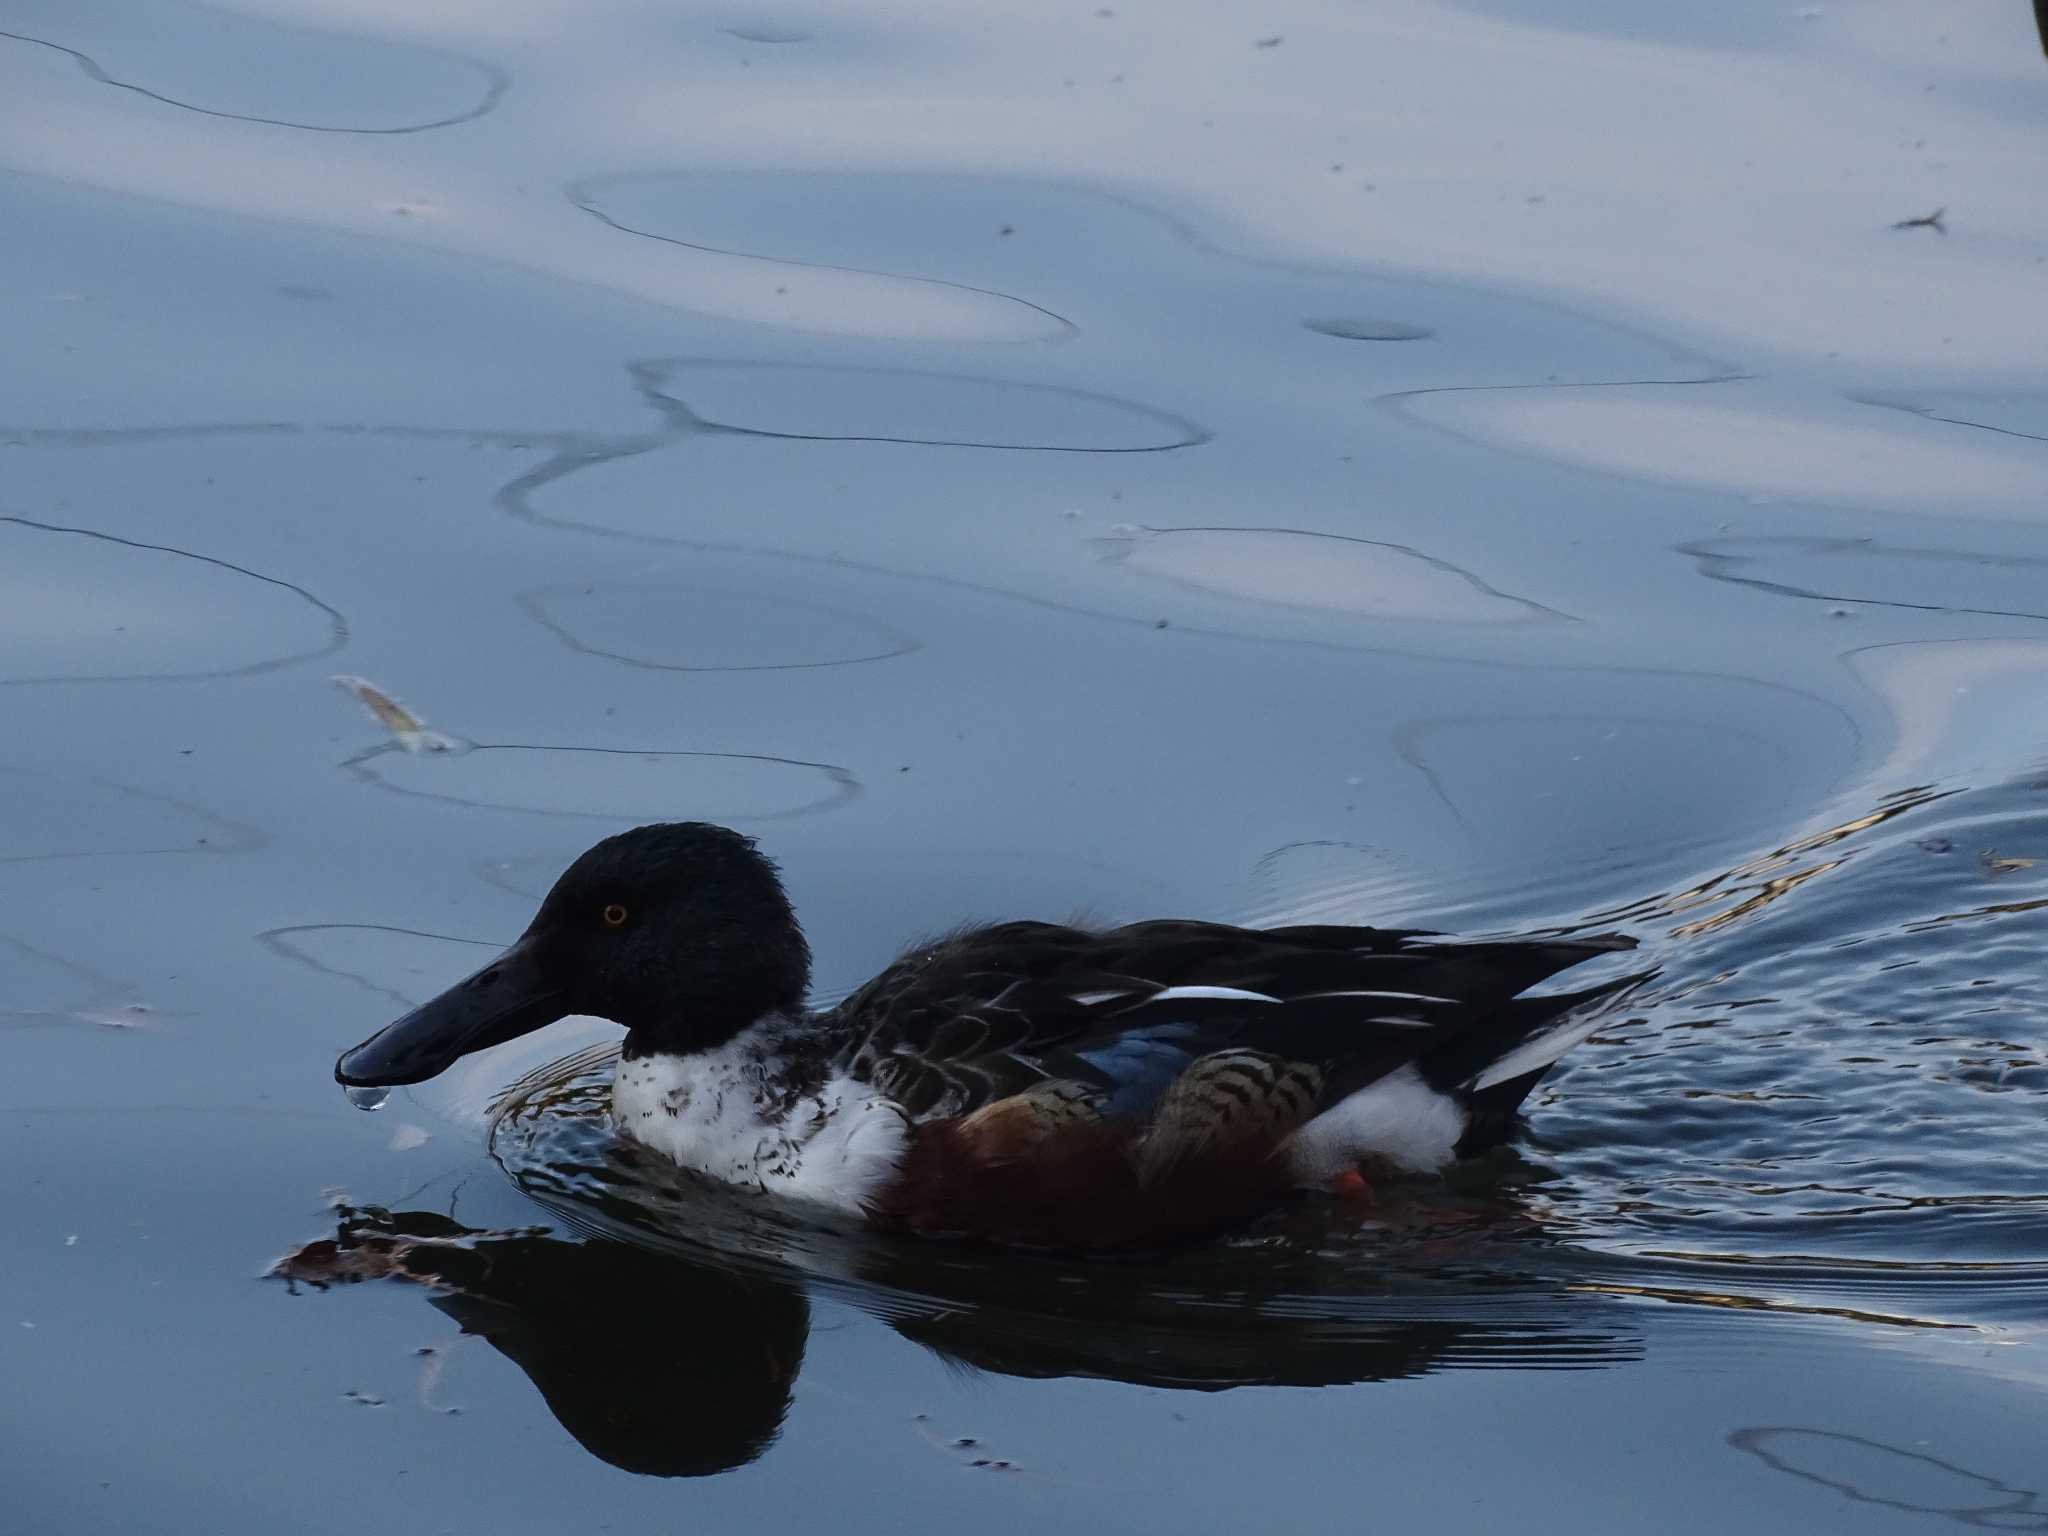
(1399, 1119)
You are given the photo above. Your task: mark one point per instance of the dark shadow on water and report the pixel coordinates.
(678, 1363)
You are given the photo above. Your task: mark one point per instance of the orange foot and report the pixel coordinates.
(1350, 1186)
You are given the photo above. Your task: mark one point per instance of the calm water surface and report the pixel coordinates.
(1494, 465)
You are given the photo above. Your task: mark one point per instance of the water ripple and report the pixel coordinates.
(610, 783)
(705, 629)
(833, 403)
(825, 296)
(1836, 1083)
(495, 83)
(89, 612)
(1870, 1472)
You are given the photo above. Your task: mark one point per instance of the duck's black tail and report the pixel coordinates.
(1491, 1069)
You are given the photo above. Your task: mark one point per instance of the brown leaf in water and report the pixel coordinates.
(406, 728)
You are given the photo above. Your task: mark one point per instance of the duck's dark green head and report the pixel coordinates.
(679, 931)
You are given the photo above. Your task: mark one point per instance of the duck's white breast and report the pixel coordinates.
(728, 1113)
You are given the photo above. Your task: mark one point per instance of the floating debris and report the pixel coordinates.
(406, 728)
(373, 1245)
(1270, 42)
(325, 1262)
(1996, 863)
(404, 1138)
(1933, 221)
(363, 1399)
(959, 1448)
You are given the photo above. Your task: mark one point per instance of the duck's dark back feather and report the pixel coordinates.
(990, 1012)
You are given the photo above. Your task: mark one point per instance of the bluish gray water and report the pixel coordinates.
(1491, 466)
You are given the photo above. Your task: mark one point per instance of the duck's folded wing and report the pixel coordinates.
(1120, 1014)
(976, 1017)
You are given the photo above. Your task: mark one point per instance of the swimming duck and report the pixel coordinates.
(1026, 1082)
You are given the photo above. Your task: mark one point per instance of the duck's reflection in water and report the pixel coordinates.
(653, 1365)
(674, 1366)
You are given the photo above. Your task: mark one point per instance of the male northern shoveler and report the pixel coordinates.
(1026, 1082)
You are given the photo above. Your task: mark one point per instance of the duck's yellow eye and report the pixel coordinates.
(615, 916)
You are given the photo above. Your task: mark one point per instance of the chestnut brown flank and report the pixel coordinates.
(1047, 1169)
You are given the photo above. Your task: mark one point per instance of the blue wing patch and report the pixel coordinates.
(1141, 1063)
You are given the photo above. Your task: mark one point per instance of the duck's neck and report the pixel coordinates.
(765, 1109)
(777, 1050)
(709, 1100)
